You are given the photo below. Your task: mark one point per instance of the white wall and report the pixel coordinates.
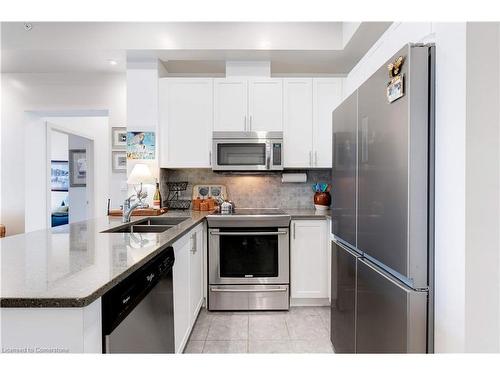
(48, 92)
(142, 111)
(466, 291)
(94, 128)
(482, 189)
(348, 30)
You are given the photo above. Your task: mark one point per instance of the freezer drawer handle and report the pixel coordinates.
(247, 290)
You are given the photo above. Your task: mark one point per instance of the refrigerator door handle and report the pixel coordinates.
(364, 140)
(388, 277)
(346, 249)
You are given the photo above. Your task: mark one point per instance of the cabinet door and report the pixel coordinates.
(265, 104)
(186, 116)
(327, 93)
(230, 104)
(195, 273)
(181, 281)
(298, 118)
(309, 268)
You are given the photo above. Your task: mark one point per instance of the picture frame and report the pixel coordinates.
(119, 161)
(78, 168)
(59, 175)
(141, 145)
(119, 138)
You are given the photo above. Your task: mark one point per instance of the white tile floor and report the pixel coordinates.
(300, 330)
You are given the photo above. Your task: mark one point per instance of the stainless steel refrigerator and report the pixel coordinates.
(382, 212)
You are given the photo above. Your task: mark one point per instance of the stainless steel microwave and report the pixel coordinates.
(247, 151)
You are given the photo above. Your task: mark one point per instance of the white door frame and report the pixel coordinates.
(50, 127)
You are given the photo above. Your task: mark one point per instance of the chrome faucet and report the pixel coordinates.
(128, 208)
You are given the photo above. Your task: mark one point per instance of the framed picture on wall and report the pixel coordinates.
(119, 138)
(141, 145)
(119, 161)
(78, 168)
(59, 175)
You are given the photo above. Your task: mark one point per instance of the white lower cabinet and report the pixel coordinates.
(196, 273)
(188, 284)
(309, 261)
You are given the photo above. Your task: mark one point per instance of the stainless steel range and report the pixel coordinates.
(249, 260)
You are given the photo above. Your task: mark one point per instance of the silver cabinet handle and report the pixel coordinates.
(213, 233)
(250, 127)
(316, 158)
(310, 158)
(209, 157)
(245, 122)
(294, 229)
(247, 290)
(193, 245)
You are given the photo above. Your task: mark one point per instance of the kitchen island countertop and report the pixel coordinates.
(73, 265)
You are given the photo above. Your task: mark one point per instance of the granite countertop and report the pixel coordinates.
(73, 265)
(308, 213)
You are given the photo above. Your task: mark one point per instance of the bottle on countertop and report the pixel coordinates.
(157, 197)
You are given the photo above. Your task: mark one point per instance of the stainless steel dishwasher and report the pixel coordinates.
(138, 314)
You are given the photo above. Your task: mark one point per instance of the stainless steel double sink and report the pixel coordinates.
(148, 225)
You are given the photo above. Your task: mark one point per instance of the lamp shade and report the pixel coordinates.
(140, 174)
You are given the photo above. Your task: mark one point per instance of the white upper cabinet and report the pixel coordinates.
(265, 104)
(298, 118)
(242, 104)
(186, 122)
(230, 104)
(191, 108)
(327, 95)
(307, 111)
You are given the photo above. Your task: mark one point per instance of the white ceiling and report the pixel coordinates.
(187, 48)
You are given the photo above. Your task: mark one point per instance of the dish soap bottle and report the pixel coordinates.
(157, 197)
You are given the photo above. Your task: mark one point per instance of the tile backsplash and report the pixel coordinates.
(259, 191)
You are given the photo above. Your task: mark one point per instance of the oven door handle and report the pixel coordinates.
(248, 290)
(247, 233)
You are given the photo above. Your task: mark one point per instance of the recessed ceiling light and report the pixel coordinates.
(112, 62)
(28, 26)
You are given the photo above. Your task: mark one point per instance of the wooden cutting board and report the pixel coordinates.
(140, 212)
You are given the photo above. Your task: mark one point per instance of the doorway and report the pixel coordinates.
(69, 158)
